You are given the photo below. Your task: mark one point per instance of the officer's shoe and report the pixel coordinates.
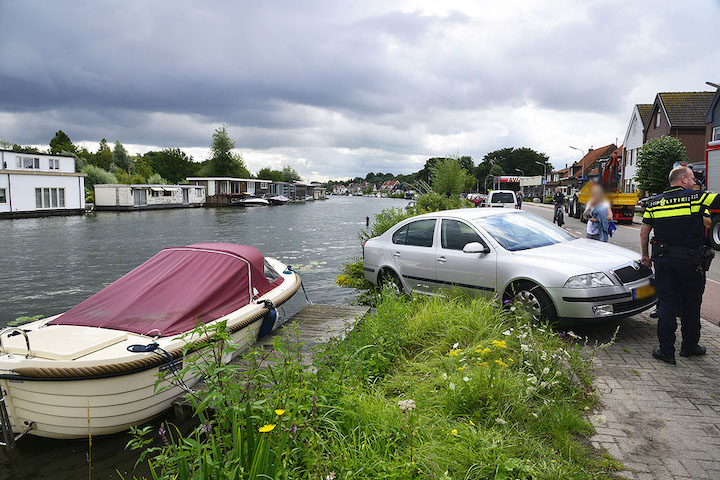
(697, 350)
(661, 356)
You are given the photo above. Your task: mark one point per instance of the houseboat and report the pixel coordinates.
(230, 191)
(36, 184)
(148, 197)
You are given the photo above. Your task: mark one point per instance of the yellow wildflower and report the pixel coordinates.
(483, 351)
(500, 362)
(454, 431)
(461, 368)
(471, 423)
(482, 364)
(499, 343)
(279, 412)
(454, 352)
(268, 427)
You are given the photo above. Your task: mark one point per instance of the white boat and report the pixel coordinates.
(93, 369)
(278, 200)
(253, 202)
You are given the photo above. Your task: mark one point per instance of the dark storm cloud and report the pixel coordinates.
(388, 84)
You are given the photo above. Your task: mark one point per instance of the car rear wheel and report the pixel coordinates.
(390, 279)
(530, 299)
(714, 232)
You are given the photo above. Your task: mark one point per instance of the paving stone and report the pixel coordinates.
(661, 421)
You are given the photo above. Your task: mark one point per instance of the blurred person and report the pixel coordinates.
(598, 214)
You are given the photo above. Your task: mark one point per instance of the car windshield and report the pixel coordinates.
(502, 198)
(522, 231)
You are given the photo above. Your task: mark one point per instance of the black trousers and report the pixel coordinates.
(680, 288)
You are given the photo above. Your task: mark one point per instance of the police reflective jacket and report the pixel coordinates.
(676, 216)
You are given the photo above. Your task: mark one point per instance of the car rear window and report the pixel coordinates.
(502, 198)
(418, 234)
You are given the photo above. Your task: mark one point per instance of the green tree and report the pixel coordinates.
(448, 177)
(5, 145)
(61, 143)
(104, 157)
(270, 174)
(514, 161)
(97, 175)
(156, 179)
(289, 174)
(224, 162)
(656, 159)
(172, 164)
(120, 156)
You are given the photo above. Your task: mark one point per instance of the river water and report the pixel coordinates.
(48, 265)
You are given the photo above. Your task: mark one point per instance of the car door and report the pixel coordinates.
(413, 253)
(473, 272)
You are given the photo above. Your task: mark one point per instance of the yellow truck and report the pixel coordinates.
(623, 204)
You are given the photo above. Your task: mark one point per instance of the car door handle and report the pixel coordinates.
(442, 259)
(396, 254)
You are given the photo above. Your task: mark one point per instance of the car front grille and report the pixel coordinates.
(631, 305)
(629, 274)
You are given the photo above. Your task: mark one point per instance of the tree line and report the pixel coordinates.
(505, 161)
(169, 165)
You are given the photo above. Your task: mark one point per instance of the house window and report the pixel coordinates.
(167, 193)
(155, 193)
(3, 196)
(27, 162)
(716, 134)
(50, 198)
(54, 164)
(263, 186)
(657, 119)
(198, 192)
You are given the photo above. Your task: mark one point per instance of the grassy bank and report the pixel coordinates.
(435, 388)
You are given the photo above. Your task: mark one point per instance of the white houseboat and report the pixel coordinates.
(147, 197)
(37, 184)
(231, 191)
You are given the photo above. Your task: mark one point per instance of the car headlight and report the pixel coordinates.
(589, 280)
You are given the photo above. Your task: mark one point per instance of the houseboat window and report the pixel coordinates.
(27, 162)
(3, 196)
(198, 192)
(49, 197)
(263, 186)
(54, 164)
(167, 193)
(155, 194)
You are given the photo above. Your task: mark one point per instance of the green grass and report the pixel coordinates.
(495, 398)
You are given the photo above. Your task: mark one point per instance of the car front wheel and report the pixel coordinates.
(530, 299)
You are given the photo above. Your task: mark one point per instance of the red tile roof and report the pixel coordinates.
(593, 156)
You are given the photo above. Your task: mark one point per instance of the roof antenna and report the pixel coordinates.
(715, 85)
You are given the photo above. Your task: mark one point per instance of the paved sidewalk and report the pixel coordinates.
(661, 421)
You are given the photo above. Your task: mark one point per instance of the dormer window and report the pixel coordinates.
(54, 164)
(27, 162)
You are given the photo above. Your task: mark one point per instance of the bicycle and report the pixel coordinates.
(559, 216)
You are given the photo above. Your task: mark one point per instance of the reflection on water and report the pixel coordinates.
(50, 264)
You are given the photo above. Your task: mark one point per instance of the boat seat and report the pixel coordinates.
(63, 342)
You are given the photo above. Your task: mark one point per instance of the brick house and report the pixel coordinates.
(589, 164)
(712, 119)
(681, 115)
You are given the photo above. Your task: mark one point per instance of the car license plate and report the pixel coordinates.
(643, 292)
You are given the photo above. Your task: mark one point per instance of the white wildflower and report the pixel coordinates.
(507, 333)
(530, 390)
(444, 376)
(451, 386)
(535, 415)
(455, 346)
(532, 379)
(543, 384)
(466, 379)
(406, 405)
(330, 476)
(573, 334)
(525, 348)
(500, 421)
(546, 370)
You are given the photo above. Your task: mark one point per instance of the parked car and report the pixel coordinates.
(476, 198)
(502, 198)
(514, 256)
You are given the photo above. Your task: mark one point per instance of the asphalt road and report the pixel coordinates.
(628, 236)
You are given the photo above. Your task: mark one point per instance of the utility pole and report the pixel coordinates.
(582, 175)
(544, 165)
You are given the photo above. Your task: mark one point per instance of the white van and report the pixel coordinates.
(502, 198)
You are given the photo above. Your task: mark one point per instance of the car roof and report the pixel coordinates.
(470, 213)
(502, 191)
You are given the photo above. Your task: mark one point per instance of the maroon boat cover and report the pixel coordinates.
(174, 290)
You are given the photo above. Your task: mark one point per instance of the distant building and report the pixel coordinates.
(634, 140)
(588, 166)
(390, 186)
(222, 191)
(681, 115)
(36, 184)
(145, 197)
(340, 189)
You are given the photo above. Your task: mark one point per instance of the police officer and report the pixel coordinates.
(679, 255)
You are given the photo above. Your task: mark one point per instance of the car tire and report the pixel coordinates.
(714, 232)
(388, 278)
(531, 297)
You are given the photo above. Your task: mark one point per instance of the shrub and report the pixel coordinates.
(97, 175)
(156, 179)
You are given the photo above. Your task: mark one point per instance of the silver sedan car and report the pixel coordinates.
(515, 256)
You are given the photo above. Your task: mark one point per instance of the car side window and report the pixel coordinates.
(420, 233)
(400, 236)
(454, 234)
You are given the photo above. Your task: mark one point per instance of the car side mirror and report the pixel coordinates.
(475, 247)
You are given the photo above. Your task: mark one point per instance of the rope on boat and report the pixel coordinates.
(167, 358)
(290, 270)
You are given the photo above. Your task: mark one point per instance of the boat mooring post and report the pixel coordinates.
(367, 221)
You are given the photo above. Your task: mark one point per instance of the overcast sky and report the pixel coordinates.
(337, 89)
